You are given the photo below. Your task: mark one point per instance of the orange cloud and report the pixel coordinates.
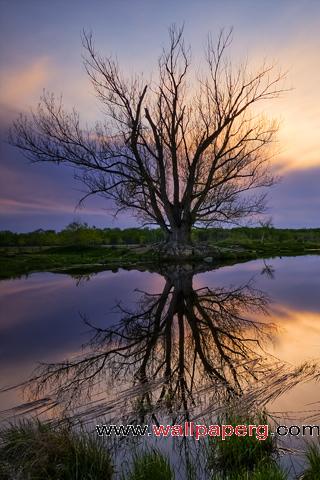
(296, 342)
(22, 85)
(299, 109)
(298, 334)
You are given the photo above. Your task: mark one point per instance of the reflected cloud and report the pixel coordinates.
(181, 352)
(298, 336)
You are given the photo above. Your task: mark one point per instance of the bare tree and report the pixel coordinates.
(266, 225)
(180, 349)
(180, 151)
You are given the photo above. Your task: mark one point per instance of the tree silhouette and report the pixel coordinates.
(176, 351)
(178, 151)
(185, 353)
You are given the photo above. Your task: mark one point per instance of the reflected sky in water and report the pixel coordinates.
(41, 317)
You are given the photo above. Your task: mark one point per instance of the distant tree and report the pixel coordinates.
(266, 225)
(76, 225)
(7, 238)
(177, 151)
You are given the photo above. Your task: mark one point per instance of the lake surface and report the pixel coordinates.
(170, 345)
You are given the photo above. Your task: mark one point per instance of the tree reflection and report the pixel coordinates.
(176, 351)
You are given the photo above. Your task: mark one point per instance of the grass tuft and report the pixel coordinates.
(37, 451)
(262, 472)
(151, 465)
(235, 454)
(312, 471)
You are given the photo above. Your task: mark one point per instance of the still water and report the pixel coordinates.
(174, 344)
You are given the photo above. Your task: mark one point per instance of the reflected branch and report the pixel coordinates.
(185, 339)
(184, 352)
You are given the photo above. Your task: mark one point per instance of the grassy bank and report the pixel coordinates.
(81, 248)
(18, 261)
(15, 262)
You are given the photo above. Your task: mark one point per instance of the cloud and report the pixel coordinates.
(10, 206)
(30, 191)
(295, 201)
(298, 332)
(298, 109)
(21, 84)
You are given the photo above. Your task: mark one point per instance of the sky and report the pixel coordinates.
(40, 48)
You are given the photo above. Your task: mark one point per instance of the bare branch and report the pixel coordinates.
(176, 154)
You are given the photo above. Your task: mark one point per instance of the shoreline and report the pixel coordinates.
(19, 261)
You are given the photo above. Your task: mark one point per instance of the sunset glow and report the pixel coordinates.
(41, 49)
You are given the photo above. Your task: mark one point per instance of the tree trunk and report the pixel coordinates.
(180, 235)
(178, 242)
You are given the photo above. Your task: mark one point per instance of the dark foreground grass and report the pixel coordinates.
(34, 451)
(312, 455)
(150, 465)
(245, 457)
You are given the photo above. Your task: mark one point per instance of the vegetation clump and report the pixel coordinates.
(37, 451)
(236, 456)
(150, 465)
(312, 455)
(84, 249)
(34, 450)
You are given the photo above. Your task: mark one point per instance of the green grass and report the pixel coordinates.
(262, 472)
(150, 465)
(312, 456)
(270, 247)
(35, 451)
(19, 261)
(266, 472)
(236, 454)
(16, 262)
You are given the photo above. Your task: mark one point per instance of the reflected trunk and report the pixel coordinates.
(178, 349)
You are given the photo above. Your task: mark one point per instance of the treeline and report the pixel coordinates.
(81, 234)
